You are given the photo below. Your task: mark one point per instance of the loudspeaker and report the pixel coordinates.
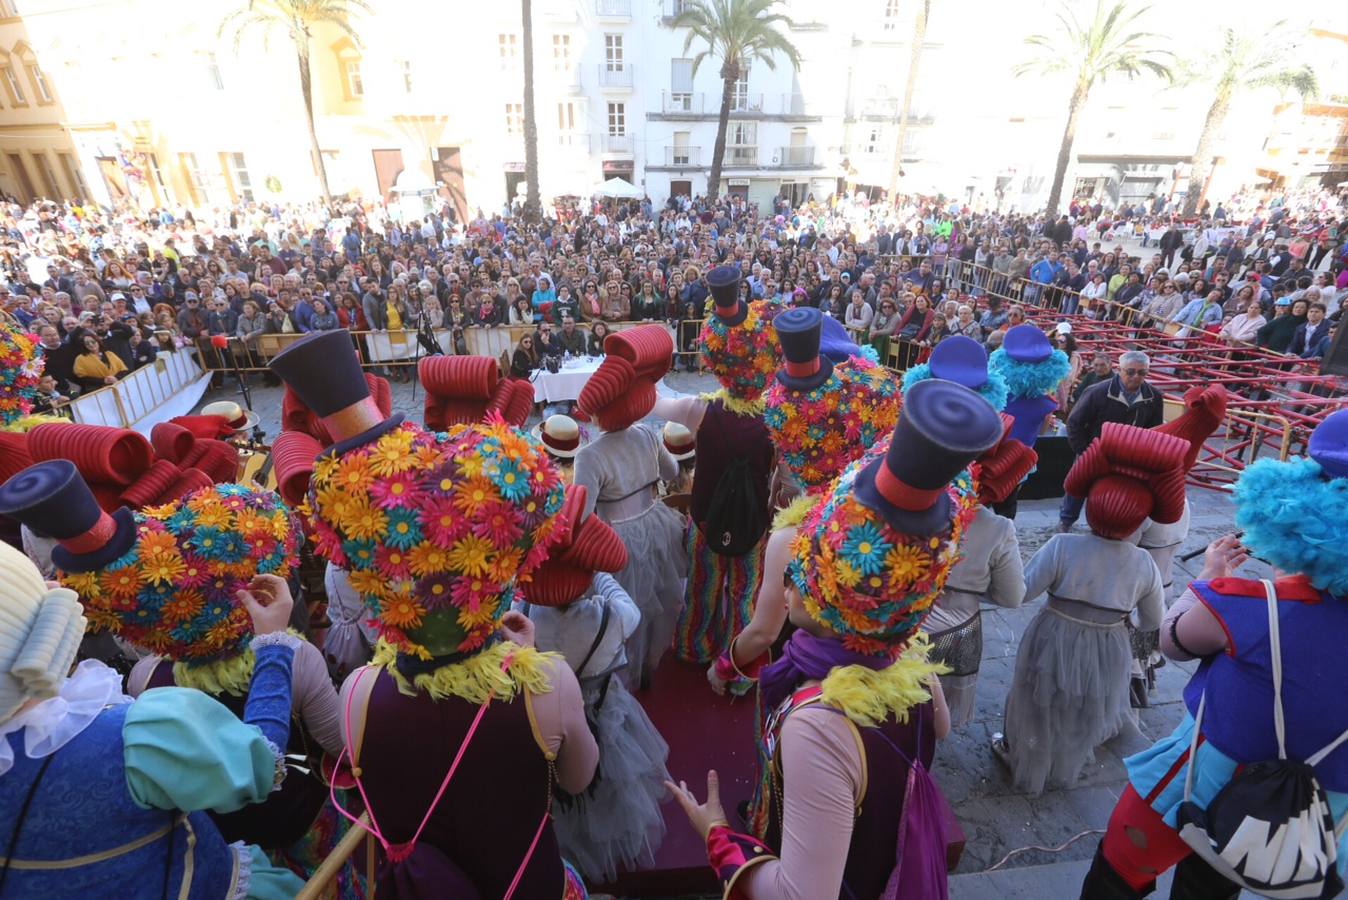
(1335, 361)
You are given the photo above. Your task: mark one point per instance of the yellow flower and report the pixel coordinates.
(162, 568)
(161, 512)
(324, 467)
(470, 619)
(214, 516)
(83, 583)
(364, 522)
(469, 555)
(907, 563)
(392, 453)
(847, 575)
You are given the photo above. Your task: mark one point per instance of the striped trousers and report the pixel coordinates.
(718, 599)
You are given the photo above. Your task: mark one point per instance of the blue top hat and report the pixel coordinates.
(724, 282)
(835, 342)
(942, 428)
(798, 331)
(1026, 343)
(1329, 445)
(962, 360)
(52, 499)
(324, 371)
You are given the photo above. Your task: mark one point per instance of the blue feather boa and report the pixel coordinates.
(1030, 379)
(993, 390)
(1293, 518)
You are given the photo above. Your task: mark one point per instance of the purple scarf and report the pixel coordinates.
(806, 657)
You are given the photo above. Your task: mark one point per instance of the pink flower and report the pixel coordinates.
(499, 523)
(397, 490)
(442, 521)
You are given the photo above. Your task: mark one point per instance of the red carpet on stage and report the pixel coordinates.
(704, 731)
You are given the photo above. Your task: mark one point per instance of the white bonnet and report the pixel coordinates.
(40, 633)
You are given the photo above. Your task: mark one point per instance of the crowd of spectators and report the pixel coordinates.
(107, 291)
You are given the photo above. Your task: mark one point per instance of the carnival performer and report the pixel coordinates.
(855, 701)
(621, 470)
(989, 571)
(436, 532)
(1032, 369)
(1292, 514)
(740, 348)
(106, 797)
(1070, 690)
(580, 611)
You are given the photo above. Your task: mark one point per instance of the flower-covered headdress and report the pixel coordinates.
(163, 579)
(1128, 475)
(739, 345)
(870, 559)
(434, 529)
(20, 369)
(822, 416)
(964, 361)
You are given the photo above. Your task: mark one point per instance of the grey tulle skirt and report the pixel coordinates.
(1069, 695)
(657, 564)
(617, 822)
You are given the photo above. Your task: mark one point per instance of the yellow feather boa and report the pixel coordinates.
(791, 515)
(222, 676)
(27, 423)
(869, 697)
(746, 408)
(497, 672)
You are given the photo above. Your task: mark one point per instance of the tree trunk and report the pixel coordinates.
(533, 206)
(722, 125)
(1202, 161)
(307, 89)
(914, 59)
(1069, 135)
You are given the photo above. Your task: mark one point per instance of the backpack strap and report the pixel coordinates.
(598, 638)
(1275, 649)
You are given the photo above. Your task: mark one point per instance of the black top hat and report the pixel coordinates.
(943, 427)
(52, 499)
(324, 372)
(799, 330)
(724, 282)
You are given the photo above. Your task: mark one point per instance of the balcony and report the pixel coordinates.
(685, 106)
(794, 158)
(745, 103)
(683, 157)
(671, 9)
(740, 157)
(615, 75)
(880, 107)
(613, 9)
(617, 143)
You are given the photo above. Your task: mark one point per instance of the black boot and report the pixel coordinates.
(1103, 883)
(1196, 880)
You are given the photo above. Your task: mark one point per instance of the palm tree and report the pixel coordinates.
(1242, 62)
(533, 206)
(738, 31)
(1094, 50)
(297, 18)
(914, 58)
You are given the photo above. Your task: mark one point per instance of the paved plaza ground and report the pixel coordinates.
(997, 820)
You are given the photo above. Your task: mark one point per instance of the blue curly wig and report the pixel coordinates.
(1294, 518)
(993, 390)
(1030, 379)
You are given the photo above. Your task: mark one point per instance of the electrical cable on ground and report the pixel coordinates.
(1061, 847)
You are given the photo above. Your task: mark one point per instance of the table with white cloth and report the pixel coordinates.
(567, 382)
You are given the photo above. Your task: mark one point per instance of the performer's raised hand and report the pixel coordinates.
(702, 816)
(1223, 557)
(267, 599)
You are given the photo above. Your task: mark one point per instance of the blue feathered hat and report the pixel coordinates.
(1029, 371)
(963, 361)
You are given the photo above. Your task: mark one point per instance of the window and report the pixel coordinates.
(561, 52)
(566, 116)
(213, 76)
(740, 97)
(14, 87)
(40, 84)
(509, 50)
(891, 21)
(617, 119)
(742, 143)
(405, 67)
(874, 138)
(514, 118)
(613, 52)
(355, 87)
(73, 175)
(161, 191)
(681, 84)
(196, 183)
(48, 176)
(237, 170)
(681, 154)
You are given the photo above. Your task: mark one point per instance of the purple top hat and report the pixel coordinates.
(724, 282)
(835, 342)
(1026, 343)
(961, 360)
(1329, 445)
(942, 428)
(52, 499)
(325, 372)
(798, 332)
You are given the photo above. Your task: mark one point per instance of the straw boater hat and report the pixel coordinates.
(560, 436)
(679, 441)
(870, 559)
(235, 416)
(1128, 475)
(964, 361)
(622, 390)
(586, 545)
(738, 344)
(436, 530)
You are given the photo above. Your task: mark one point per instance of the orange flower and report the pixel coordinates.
(403, 613)
(427, 559)
(151, 542)
(123, 582)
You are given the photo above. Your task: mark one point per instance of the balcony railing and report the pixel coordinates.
(887, 107)
(746, 102)
(613, 9)
(795, 156)
(741, 156)
(615, 76)
(617, 143)
(751, 104)
(669, 9)
(683, 156)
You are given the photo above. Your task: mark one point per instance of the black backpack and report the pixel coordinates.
(737, 516)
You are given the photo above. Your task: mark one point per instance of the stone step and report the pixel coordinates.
(1060, 881)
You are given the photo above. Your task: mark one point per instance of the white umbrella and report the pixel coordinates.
(619, 187)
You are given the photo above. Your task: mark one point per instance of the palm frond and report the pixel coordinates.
(1301, 80)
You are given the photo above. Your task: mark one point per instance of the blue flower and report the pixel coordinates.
(774, 417)
(359, 553)
(181, 521)
(130, 557)
(230, 490)
(510, 481)
(865, 548)
(154, 596)
(231, 547)
(554, 501)
(206, 541)
(404, 532)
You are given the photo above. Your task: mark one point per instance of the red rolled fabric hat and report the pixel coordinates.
(458, 389)
(1127, 475)
(588, 546)
(622, 390)
(1204, 409)
(1001, 469)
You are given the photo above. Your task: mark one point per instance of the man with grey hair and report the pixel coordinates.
(1125, 398)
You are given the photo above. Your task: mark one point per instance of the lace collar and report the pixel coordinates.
(55, 722)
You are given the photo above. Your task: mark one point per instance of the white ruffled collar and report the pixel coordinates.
(55, 722)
